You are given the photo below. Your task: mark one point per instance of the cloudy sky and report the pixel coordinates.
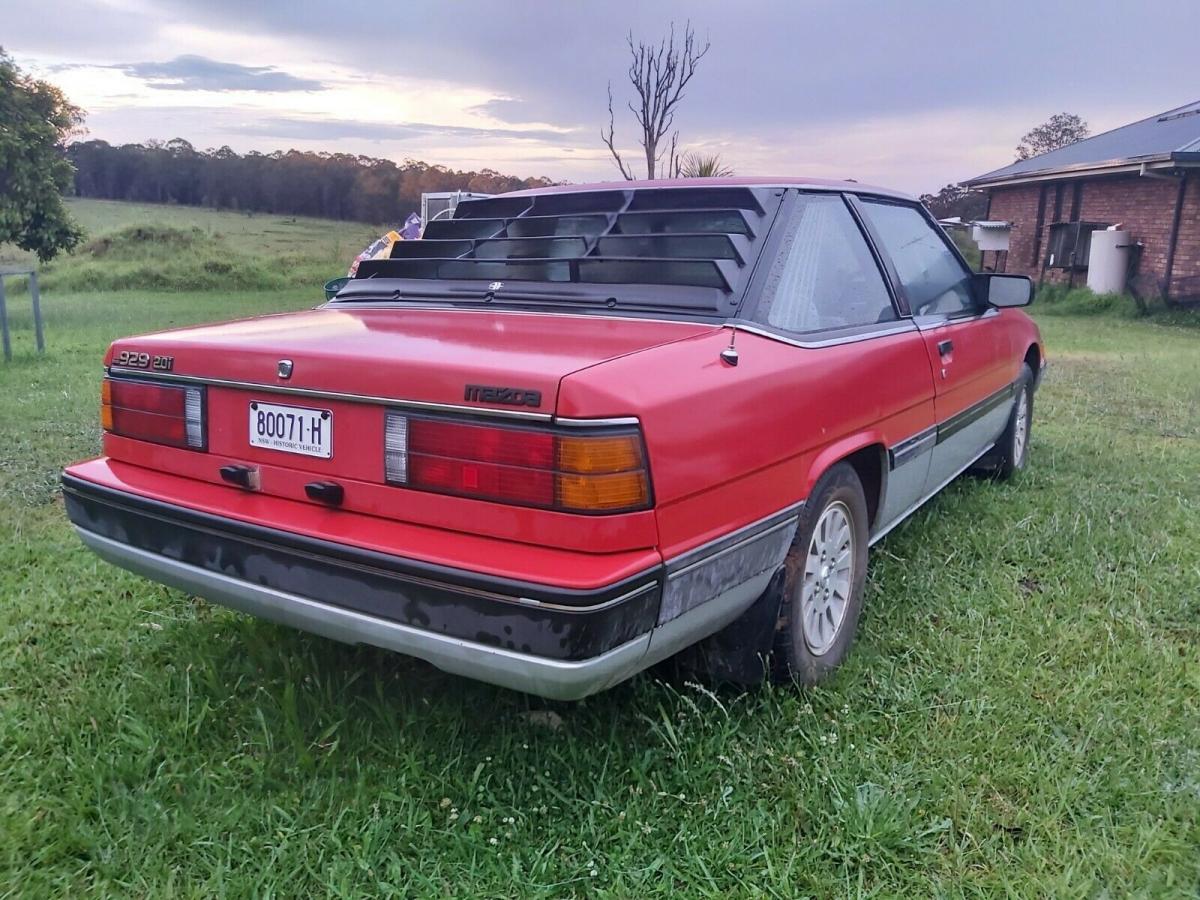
(907, 94)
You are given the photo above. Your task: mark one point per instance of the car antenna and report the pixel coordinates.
(729, 355)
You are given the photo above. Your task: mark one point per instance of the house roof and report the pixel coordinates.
(1168, 138)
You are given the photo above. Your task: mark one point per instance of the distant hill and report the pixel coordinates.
(168, 247)
(326, 185)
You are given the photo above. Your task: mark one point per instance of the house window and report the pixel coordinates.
(1070, 244)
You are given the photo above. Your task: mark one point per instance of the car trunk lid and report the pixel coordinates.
(410, 355)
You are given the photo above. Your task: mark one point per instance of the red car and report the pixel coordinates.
(574, 431)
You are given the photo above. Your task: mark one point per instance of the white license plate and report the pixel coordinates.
(292, 429)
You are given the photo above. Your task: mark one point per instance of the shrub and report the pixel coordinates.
(1059, 300)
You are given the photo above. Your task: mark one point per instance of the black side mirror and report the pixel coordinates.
(1003, 291)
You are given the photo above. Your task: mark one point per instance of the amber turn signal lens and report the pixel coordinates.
(600, 454)
(624, 490)
(106, 414)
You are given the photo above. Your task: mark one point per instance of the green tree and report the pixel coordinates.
(1059, 130)
(35, 120)
(956, 200)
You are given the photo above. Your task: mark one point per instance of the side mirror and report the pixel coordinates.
(1003, 291)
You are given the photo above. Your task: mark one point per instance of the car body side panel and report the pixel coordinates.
(731, 444)
(972, 382)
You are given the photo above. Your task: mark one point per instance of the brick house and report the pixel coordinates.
(1144, 176)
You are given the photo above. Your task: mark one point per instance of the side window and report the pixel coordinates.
(824, 276)
(934, 280)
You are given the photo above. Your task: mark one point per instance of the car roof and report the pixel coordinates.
(812, 184)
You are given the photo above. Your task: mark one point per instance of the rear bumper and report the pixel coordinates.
(551, 641)
(554, 678)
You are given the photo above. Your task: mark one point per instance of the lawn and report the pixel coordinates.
(1021, 715)
(255, 233)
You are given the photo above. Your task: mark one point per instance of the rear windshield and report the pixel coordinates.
(688, 249)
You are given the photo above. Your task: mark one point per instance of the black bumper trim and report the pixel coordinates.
(536, 619)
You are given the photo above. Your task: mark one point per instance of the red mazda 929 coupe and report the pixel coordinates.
(573, 432)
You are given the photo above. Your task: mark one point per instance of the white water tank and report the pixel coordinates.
(1108, 261)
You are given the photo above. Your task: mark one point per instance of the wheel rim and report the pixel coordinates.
(1021, 427)
(828, 578)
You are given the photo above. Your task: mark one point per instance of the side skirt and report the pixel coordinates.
(900, 519)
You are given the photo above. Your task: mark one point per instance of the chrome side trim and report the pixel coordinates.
(677, 565)
(557, 679)
(910, 448)
(973, 413)
(902, 327)
(596, 423)
(335, 395)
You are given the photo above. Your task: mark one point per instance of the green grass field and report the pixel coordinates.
(139, 246)
(1021, 716)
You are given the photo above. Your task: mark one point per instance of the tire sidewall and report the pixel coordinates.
(1011, 462)
(839, 484)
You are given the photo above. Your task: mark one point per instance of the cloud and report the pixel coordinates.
(505, 109)
(199, 73)
(298, 127)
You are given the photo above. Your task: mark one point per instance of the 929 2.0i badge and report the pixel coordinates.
(135, 360)
(509, 396)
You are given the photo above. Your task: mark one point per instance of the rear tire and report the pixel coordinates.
(825, 575)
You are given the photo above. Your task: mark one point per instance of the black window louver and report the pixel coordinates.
(704, 237)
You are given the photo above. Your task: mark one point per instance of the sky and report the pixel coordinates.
(911, 95)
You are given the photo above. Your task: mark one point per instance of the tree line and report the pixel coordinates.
(325, 185)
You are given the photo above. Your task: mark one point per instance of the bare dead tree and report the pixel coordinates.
(659, 73)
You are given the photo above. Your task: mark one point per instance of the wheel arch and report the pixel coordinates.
(867, 455)
(1033, 358)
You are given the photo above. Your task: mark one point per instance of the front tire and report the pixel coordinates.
(825, 576)
(1012, 450)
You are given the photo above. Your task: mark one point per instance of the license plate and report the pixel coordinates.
(292, 429)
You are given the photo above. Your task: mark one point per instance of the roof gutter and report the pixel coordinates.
(1166, 161)
(1170, 175)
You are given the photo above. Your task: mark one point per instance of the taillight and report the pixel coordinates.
(577, 471)
(149, 411)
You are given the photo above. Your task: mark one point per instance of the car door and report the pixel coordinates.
(826, 291)
(965, 341)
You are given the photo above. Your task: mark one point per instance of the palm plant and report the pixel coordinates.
(699, 165)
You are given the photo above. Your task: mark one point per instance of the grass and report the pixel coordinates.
(1021, 715)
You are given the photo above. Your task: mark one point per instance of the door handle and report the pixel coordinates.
(945, 348)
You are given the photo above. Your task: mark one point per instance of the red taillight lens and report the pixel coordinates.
(502, 446)
(148, 411)
(601, 472)
(508, 484)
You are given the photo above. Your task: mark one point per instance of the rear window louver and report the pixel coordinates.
(698, 237)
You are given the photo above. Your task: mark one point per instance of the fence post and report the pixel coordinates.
(4, 323)
(35, 296)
